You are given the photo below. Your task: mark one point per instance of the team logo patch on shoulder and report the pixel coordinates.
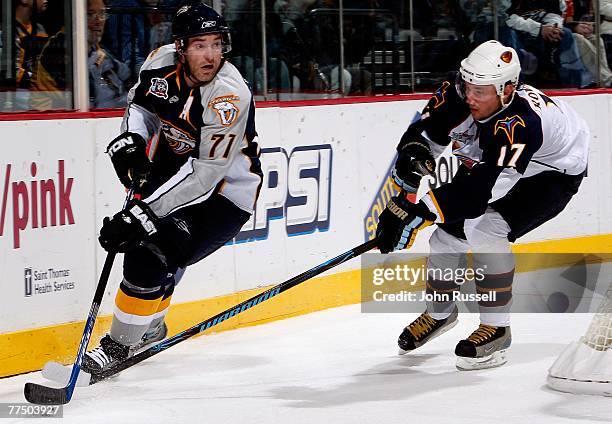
(159, 88)
(226, 108)
(507, 125)
(440, 95)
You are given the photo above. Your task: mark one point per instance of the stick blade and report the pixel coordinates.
(43, 395)
(59, 373)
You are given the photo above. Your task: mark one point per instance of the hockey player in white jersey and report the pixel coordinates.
(522, 158)
(198, 178)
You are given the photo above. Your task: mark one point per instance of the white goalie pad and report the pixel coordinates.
(582, 369)
(585, 367)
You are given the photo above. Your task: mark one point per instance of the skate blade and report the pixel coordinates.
(497, 359)
(440, 332)
(59, 373)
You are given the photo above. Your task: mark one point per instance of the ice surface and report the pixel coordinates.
(337, 366)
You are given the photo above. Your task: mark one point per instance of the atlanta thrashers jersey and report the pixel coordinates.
(203, 139)
(532, 135)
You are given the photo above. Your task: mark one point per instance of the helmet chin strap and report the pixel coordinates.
(189, 75)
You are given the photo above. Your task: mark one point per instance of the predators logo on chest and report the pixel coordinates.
(179, 141)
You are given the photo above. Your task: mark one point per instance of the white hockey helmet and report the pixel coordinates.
(491, 63)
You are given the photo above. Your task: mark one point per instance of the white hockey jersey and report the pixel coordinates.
(202, 139)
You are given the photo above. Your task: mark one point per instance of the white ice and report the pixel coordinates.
(336, 366)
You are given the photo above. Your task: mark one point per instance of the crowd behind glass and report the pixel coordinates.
(292, 49)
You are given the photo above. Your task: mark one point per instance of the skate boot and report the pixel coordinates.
(423, 329)
(105, 356)
(484, 348)
(153, 335)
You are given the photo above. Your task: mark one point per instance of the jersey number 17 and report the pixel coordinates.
(518, 149)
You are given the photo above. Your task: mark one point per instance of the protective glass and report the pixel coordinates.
(475, 92)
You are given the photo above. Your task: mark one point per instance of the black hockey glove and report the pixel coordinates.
(128, 228)
(128, 153)
(414, 162)
(399, 223)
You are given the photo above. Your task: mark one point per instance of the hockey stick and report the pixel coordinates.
(43, 395)
(233, 311)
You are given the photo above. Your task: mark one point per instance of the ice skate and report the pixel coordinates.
(94, 362)
(152, 336)
(485, 348)
(105, 356)
(423, 329)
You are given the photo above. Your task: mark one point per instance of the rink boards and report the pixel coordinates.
(325, 170)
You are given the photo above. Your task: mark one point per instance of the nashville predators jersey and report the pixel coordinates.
(202, 139)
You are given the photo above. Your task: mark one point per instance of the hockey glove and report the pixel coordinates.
(414, 162)
(399, 223)
(128, 228)
(128, 153)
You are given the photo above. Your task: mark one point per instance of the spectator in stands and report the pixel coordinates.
(479, 13)
(292, 16)
(244, 18)
(125, 33)
(311, 42)
(605, 10)
(30, 38)
(107, 75)
(540, 30)
(291, 11)
(579, 18)
(479, 16)
(424, 18)
(360, 34)
(52, 75)
(319, 65)
(160, 32)
(49, 85)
